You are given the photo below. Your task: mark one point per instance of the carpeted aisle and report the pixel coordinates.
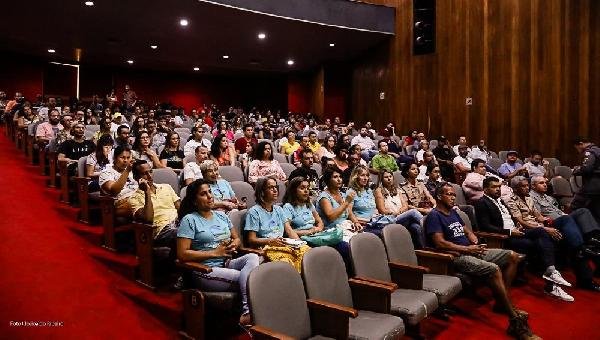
(47, 274)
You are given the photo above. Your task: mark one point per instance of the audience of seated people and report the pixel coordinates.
(534, 221)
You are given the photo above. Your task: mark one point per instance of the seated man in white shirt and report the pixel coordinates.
(191, 171)
(366, 144)
(462, 141)
(462, 163)
(535, 165)
(423, 147)
(196, 141)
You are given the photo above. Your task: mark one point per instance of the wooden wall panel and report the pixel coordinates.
(531, 67)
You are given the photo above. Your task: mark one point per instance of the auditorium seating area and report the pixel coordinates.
(125, 246)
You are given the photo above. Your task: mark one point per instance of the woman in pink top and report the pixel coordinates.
(264, 165)
(223, 129)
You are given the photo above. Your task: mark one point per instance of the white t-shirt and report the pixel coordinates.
(110, 174)
(192, 171)
(190, 147)
(464, 161)
(366, 143)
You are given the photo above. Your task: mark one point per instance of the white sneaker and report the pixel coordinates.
(556, 278)
(559, 293)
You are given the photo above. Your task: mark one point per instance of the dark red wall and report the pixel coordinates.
(298, 93)
(21, 74)
(34, 77)
(338, 91)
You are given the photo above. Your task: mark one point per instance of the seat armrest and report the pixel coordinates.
(438, 263)
(330, 320)
(379, 282)
(263, 333)
(439, 251)
(371, 296)
(195, 266)
(494, 240)
(407, 276)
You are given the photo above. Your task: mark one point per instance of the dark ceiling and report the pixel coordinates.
(111, 32)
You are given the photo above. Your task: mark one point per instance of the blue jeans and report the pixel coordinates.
(411, 220)
(230, 278)
(570, 231)
(368, 154)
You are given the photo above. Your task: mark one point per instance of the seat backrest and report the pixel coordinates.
(398, 178)
(160, 149)
(502, 155)
(182, 192)
(88, 134)
(318, 168)
(495, 163)
(238, 219)
(553, 162)
(273, 149)
(368, 257)
(433, 144)
(281, 193)
(81, 166)
(243, 189)
(92, 127)
(166, 176)
(184, 136)
(563, 171)
(374, 178)
(238, 135)
(325, 277)
(189, 158)
(493, 154)
(398, 244)
(561, 187)
(576, 183)
(231, 173)
(277, 299)
(181, 130)
(287, 168)
(279, 157)
(460, 194)
(467, 214)
(409, 150)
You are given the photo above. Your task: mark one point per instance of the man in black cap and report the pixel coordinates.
(511, 168)
(444, 155)
(589, 170)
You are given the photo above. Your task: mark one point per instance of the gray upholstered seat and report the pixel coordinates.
(231, 173)
(325, 279)
(370, 261)
(400, 249)
(278, 302)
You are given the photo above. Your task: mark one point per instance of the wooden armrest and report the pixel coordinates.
(408, 267)
(195, 266)
(438, 263)
(407, 276)
(330, 320)
(245, 250)
(435, 255)
(491, 235)
(383, 283)
(259, 332)
(142, 226)
(323, 305)
(371, 296)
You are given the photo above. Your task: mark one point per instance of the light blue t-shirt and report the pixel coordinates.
(206, 234)
(363, 205)
(266, 224)
(222, 190)
(301, 216)
(334, 205)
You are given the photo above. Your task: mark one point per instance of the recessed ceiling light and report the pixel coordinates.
(261, 36)
(89, 3)
(51, 50)
(183, 22)
(130, 61)
(290, 62)
(196, 68)
(225, 57)
(331, 45)
(153, 47)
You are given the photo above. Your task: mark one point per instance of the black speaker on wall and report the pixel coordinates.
(423, 26)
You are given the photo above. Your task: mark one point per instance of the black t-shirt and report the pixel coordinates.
(444, 153)
(75, 150)
(174, 158)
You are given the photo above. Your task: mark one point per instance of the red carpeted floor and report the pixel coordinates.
(51, 273)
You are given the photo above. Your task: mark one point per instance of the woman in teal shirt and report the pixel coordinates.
(302, 215)
(363, 205)
(208, 237)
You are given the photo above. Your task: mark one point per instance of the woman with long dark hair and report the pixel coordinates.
(222, 152)
(208, 237)
(142, 150)
(172, 156)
